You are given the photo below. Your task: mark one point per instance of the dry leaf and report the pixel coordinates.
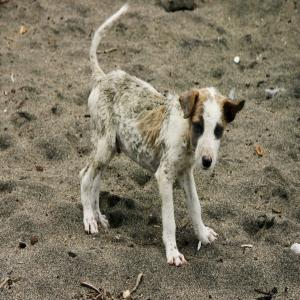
(276, 211)
(39, 168)
(259, 150)
(23, 29)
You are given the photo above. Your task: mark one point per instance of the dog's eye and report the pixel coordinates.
(218, 131)
(197, 131)
(198, 127)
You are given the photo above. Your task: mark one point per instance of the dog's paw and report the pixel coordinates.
(175, 258)
(90, 223)
(102, 219)
(207, 236)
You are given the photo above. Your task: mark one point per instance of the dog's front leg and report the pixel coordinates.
(205, 234)
(165, 183)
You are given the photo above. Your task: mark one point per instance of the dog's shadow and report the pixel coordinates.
(115, 208)
(137, 223)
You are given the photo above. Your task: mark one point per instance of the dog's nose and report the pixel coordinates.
(206, 161)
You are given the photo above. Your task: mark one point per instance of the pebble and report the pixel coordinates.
(271, 92)
(22, 244)
(296, 248)
(237, 59)
(126, 294)
(72, 254)
(54, 109)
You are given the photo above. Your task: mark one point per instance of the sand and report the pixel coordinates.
(45, 141)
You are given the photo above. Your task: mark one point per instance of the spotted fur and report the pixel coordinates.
(150, 125)
(169, 136)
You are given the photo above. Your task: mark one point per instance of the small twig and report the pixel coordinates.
(127, 293)
(3, 283)
(86, 284)
(108, 50)
(99, 297)
(138, 281)
(262, 292)
(20, 104)
(247, 246)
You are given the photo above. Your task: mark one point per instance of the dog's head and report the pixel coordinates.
(208, 113)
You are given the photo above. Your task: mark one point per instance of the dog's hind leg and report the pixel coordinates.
(90, 185)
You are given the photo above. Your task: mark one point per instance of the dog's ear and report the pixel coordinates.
(187, 102)
(231, 108)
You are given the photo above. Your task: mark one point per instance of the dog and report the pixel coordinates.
(167, 135)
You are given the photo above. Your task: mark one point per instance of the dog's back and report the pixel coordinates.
(122, 104)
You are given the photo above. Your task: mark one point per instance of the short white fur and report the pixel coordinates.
(116, 103)
(208, 145)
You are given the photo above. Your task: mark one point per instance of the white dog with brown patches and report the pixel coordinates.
(168, 136)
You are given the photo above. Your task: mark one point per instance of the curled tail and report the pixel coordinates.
(100, 32)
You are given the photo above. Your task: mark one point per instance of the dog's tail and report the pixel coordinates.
(100, 32)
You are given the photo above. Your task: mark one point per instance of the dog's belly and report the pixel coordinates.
(131, 143)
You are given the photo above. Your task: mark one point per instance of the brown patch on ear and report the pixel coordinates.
(187, 102)
(231, 108)
(150, 124)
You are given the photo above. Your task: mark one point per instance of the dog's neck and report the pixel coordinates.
(175, 130)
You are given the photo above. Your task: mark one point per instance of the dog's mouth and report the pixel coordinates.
(201, 167)
(205, 168)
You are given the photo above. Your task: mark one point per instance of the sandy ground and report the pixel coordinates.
(44, 142)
